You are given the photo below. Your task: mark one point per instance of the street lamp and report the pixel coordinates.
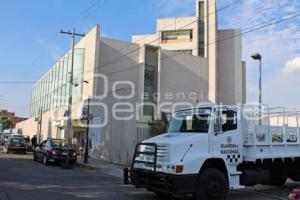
(257, 56)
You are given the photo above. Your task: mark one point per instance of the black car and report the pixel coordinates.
(15, 144)
(56, 151)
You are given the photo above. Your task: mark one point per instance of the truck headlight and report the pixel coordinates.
(170, 168)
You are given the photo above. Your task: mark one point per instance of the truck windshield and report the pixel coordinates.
(190, 122)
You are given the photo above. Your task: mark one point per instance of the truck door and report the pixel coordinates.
(227, 138)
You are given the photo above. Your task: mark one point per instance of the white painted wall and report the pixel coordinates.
(231, 72)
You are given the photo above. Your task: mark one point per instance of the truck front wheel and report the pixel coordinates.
(212, 185)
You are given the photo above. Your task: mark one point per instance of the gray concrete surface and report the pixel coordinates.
(23, 179)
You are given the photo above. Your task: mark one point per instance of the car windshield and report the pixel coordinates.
(190, 121)
(58, 143)
(17, 140)
(17, 136)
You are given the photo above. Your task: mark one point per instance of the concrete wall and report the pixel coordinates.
(171, 24)
(178, 73)
(182, 23)
(29, 127)
(183, 74)
(212, 52)
(231, 72)
(122, 61)
(153, 39)
(117, 140)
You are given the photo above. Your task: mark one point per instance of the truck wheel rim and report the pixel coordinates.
(214, 189)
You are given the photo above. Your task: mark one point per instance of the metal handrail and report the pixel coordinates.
(270, 113)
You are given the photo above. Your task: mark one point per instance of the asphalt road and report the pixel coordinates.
(23, 179)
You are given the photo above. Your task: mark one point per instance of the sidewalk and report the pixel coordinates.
(101, 166)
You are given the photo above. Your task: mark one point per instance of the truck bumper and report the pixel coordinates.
(161, 182)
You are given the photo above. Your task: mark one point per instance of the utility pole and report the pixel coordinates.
(257, 56)
(86, 147)
(69, 126)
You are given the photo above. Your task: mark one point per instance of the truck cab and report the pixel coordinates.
(210, 150)
(202, 144)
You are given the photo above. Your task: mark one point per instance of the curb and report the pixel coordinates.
(85, 166)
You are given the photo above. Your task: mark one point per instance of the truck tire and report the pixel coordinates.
(212, 185)
(278, 177)
(160, 194)
(278, 181)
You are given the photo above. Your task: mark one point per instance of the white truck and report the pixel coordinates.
(212, 149)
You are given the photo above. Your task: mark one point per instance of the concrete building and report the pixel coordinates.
(11, 116)
(130, 83)
(199, 35)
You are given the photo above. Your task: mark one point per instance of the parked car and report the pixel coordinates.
(15, 144)
(295, 195)
(56, 151)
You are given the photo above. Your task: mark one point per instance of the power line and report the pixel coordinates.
(227, 38)
(238, 18)
(217, 41)
(77, 18)
(100, 3)
(157, 39)
(254, 28)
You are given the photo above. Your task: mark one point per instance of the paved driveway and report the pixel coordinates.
(23, 179)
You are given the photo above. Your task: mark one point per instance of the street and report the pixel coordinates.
(24, 179)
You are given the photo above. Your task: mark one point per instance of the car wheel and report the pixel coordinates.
(212, 185)
(45, 160)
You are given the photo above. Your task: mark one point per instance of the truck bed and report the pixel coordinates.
(270, 142)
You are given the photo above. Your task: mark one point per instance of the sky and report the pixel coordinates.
(31, 42)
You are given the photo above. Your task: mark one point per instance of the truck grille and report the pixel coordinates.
(145, 155)
(162, 153)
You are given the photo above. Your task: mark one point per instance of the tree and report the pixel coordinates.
(159, 126)
(6, 124)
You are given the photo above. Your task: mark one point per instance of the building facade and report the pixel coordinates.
(11, 116)
(199, 35)
(129, 84)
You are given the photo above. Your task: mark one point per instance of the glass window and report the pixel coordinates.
(189, 122)
(187, 51)
(52, 89)
(226, 120)
(177, 36)
(150, 80)
(229, 119)
(78, 75)
(201, 30)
